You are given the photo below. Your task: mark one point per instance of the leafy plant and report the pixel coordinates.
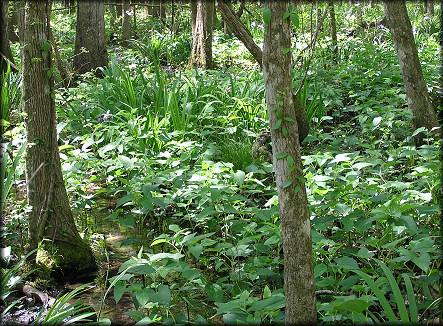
(64, 313)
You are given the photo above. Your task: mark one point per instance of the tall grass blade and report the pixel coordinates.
(411, 297)
(396, 291)
(380, 296)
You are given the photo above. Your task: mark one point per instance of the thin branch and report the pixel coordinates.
(312, 50)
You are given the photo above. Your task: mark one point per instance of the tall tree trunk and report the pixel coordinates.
(193, 5)
(5, 48)
(50, 218)
(90, 39)
(429, 5)
(416, 92)
(243, 34)
(239, 30)
(201, 52)
(13, 21)
(333, 29)
(126, 23)
(299, 280)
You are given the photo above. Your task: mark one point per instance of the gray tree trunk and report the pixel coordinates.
(90, 39)
(239, 30)
(416, 92)
(201, 51)
(242, 33)
(333, 28)
(294, 211)
(126, 23)
(50, 217)
(5, 48)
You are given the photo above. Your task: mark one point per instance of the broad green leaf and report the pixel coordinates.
(215, 292)
(287, 183)
(266, 292)
(287, 50)
(124, 200)
(267, 16)
(281, 155)
(285, 15)
(127, 220)
(347, 263)
(196, 250)
(163, 255)
(275, 302)
(277, 124)
(342, 209)
(163, 296)
(119, 289)
(239, 177)
(376, 122)
(356, 306)
(290, 160)
(143, 296)
(158, 241)
(295, 19)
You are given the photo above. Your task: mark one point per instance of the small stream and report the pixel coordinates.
(114, 234)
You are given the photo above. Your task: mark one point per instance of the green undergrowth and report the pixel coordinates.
(171, 151)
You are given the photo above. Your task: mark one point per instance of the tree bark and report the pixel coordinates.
(5, 48)
(243, 34)
(333, 29)
(294, 211)
(126, 23)
(429, 4)
(416, 92)
(90, 39)
(239, 30)
(193, 5)
(50, 217)
(201, 52)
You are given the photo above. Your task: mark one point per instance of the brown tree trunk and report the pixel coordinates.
(64, 75)
(13, 21)
(239, 30)
(90, 39)
(5, 48)
(416, 92)
(193, 5)
(50, 217)
(201, 51)
(429, 4)
(242, 33)
(299, 280)
(126, 23)
(333, 29)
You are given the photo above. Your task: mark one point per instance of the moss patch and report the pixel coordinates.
(65, 260)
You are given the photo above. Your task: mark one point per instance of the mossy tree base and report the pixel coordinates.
(65, 261)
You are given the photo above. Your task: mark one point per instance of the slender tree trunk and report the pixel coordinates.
(243, 34)
(126, 23)
(193, 5)
(201, 52)
(299, 280)
(333, 29)
(429, 4)
(90, 39)
(13, 22)
(416, 92)
(64, 75)
(50, 217)
(5, 48)
(239, 30)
